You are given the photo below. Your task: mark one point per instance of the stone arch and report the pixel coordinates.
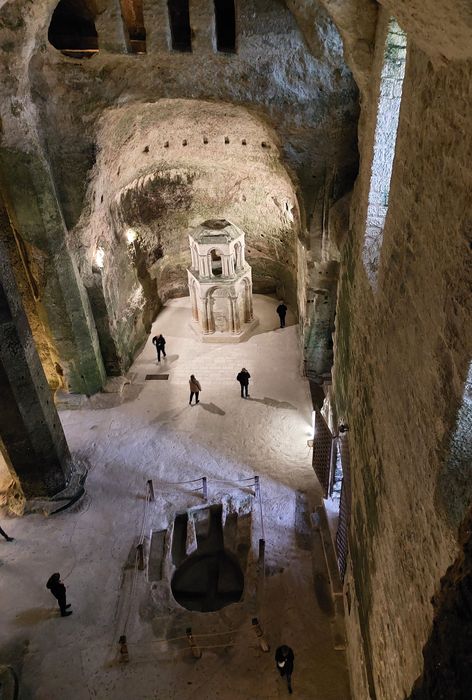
(215, 262)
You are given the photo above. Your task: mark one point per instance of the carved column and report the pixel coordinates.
(235, 322)
(34, 205)
(30, 430)
(156, 22)
(193, 297)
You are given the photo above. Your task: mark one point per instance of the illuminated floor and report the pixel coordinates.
(156, 434)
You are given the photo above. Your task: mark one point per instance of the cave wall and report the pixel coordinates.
(402, 354)
(288, 71)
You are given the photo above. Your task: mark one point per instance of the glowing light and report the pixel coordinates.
(99, 257)
(131, 235)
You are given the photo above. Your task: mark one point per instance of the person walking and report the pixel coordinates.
(195, 388)
(4, 534)
(243, 378)
(58, 590)
(284, 659)
(282, 311)
(160, 342)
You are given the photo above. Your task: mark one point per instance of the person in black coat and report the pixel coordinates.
(284, 659)
(243, 378)
(160, 342)
(58, 590)
(4, 534)
(282, 311)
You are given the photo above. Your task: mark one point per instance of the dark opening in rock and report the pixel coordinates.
(72, 29)
(133, 15)
(211, 578)
(225, 20)
(179, 18)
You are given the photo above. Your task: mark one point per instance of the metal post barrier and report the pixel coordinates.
(140, 553)
(205, 488)
(196, 651)
(124, 654)
(260, 634)
(256, 485)
(151, 490)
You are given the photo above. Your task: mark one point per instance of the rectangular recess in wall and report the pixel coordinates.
(225, 23)
(179, 18)
(133, 16)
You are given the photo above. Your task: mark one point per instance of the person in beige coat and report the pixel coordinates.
(195, 388)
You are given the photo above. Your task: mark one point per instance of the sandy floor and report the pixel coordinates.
(155, 434)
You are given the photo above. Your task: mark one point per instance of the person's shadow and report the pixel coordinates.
(212, 408)
(33, 616)
(273, 403)
(169, 359)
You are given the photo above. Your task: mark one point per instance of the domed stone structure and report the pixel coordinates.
(220, 283)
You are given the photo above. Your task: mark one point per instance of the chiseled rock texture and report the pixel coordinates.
(402, 357)
(280, 117)
(267, 137)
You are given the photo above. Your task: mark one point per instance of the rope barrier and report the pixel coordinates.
(139, 551)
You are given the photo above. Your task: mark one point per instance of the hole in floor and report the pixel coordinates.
(210, 578)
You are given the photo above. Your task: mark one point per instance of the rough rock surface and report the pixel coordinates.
(402, 357)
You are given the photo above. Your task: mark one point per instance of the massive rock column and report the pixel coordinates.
(30, 430)
(34, 205)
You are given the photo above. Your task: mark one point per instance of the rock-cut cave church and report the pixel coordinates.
(192, 169)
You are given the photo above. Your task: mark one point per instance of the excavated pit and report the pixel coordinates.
(210, 578)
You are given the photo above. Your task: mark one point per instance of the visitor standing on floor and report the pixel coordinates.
(284, 659)
(282, 311)
(160, 342)
(58, 590)
(195, 388)
(4, 534)
(243, 378)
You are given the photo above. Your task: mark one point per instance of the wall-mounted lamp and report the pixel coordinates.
(99, 257)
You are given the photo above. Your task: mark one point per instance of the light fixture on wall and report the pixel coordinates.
(131, 235)
(99, 259)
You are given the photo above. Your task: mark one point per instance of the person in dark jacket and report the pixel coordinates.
(195, 388)
(243, 378)
(284, 659)
(160, 342)
(4, 534)
(282, 311)
(58, 590)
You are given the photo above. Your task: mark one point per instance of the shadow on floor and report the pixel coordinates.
(167, 416)
(169, 359)
(303, 530)
(35, 615)
(274, 403)
(213, 408)
(323, 594)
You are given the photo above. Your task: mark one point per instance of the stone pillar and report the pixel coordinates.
(30, 430)
(235, 322)
(249, 302)
(193, 298)
(230, 265)
(34, 206)
(156, 22)
(204, 307)
(194, 256)
(202, 22)
(211, 317)
(111, 30)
